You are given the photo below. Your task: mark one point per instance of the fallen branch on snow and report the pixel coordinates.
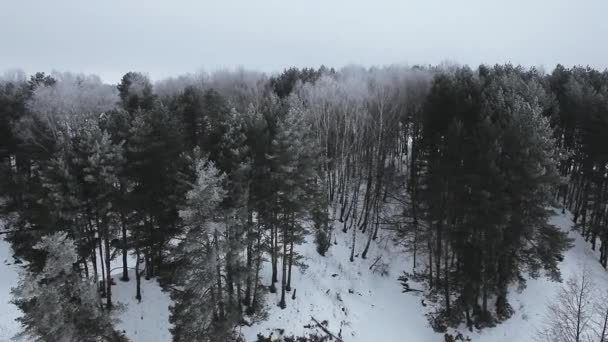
(339, 339)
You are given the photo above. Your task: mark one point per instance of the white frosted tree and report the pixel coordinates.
(570, 317)
(200, 312)
(58, 304)
(600, 318)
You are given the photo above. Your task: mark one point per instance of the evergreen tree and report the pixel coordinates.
(200, 312)
(58, 304)
(157, 171)
(135, 91)
(293, 175)
(489, 170)
(101, 178)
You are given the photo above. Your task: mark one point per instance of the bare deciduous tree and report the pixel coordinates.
(570, 317)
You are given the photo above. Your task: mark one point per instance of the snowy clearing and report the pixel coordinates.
(146, 321)
(362, 305)
(378, 311)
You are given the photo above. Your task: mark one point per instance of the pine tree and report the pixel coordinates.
(157, 170)
(489, 169)
(135, 91)
(200, 312)
(58, 304)
(292, 174)
(101, 177)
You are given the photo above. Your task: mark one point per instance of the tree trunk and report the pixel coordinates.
(220, 300)
(103, 268)
(125, 269)
(254, 300)
(352, 249)
(273, 255)
(446, 281)
(284, 275)
(137, 275)
(604, 327)
(288, 288)
(249, 259)
(108, 267)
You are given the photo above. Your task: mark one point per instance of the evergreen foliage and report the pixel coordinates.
(206, 182)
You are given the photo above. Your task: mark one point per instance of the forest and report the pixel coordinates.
(204, 178)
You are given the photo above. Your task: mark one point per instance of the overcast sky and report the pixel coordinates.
(164, 38)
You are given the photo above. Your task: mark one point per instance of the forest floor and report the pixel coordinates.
(147, 321)
(359, 304)
(9, 277)
(366, 306)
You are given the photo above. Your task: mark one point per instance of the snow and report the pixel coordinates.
(376, 310)
(530, 305)
(9, 278)
(146, 321)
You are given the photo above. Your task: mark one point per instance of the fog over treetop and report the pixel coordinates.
(112, 37)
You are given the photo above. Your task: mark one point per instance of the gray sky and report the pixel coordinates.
(165, 38)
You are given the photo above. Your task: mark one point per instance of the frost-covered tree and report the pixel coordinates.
(72, 98)
(58, 304)
(570, 317)
(135, 91)
(200, 312)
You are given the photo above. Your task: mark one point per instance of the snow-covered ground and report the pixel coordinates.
(378, 311)
(147, 321)
(361, 305)
(9, 278)
(530, 305)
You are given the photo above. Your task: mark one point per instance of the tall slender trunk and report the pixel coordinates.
(254, 300)
(604, 326)
(103, 268)
(150, 254)
(430, 248)
(273, 254)
(377, 223)
(108, 267)
(229, 261)
(446, 282)
(239, 299)
(137, 274)
(86, 267)
(94, 258)
(369, 239)
(352, 249)
(249, 264)
(125, 269)
(288, 287)
(220, 300)
(282, 303)
(438, 251)
(362, 223)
